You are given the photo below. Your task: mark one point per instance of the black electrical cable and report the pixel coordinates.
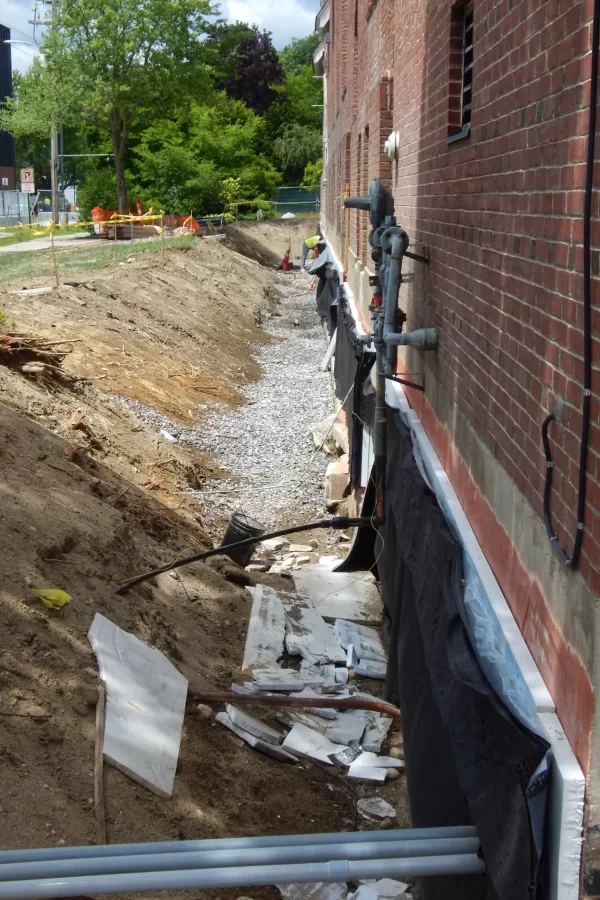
(333, 522)
(571, 561)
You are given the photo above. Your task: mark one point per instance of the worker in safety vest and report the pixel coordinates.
(309, 244)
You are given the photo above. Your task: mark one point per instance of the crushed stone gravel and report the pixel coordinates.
(266, 443)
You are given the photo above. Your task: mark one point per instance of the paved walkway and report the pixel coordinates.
(60, 241)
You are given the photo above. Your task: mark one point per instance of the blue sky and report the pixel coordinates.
(284, 18)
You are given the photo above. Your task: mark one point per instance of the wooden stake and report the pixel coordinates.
(346, 234)
(99, 767)
(162, 237)
(116, 248)
(55, 264)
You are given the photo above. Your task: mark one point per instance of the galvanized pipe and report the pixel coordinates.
(210, 859)
(192, 879)
(281, 840)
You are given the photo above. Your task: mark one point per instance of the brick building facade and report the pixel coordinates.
(489, 102)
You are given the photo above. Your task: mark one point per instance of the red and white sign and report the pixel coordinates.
(27, 181)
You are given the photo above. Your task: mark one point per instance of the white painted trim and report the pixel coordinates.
(564, 815)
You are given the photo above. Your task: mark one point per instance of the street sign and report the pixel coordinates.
(27, 181)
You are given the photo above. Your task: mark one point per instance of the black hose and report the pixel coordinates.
(333, 522)
(571, 561)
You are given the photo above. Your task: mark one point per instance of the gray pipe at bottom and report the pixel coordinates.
(190, 879)
(285, 840)
(211, 859)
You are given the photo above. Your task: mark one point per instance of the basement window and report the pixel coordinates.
(461, 72)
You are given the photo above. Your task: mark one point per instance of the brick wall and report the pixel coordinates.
(500, 212)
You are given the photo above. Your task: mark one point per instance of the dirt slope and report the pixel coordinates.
(86, 493)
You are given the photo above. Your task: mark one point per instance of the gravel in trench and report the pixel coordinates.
(266, 443)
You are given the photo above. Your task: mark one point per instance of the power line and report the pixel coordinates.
(18, 30)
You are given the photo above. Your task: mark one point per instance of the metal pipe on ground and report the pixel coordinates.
(242, 876)
(282, 840)
(210, 859)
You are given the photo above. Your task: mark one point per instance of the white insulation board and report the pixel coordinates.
(145, 704)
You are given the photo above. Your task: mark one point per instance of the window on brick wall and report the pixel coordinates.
(461, 71)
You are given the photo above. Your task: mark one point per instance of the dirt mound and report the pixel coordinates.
(266, 242)
(86, 496)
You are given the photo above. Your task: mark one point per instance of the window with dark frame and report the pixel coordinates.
(461, 71)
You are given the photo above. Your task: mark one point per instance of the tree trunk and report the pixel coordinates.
(119, 142)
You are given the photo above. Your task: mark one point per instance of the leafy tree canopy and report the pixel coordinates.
(298, 54)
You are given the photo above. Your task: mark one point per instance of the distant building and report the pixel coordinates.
(7, 144)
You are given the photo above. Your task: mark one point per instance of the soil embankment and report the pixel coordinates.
(89, 497)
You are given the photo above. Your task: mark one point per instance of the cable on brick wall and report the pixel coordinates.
(571, 561)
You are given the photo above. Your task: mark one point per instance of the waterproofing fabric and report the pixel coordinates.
(328, 287)
(353, 364)
(468, 758)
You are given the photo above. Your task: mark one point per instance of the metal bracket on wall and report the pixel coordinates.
(410, 384)
(417, 256)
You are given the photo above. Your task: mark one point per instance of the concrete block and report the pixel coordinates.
(145, 704)
(266, 630)
(381, 762)
(375, 809)
(307, 633)
(303, 741)
(365, 641)
(319, 891)
(344, 595)
(348, 728)
(376, 731)
(384, 889)
(366, 773)
(337, 478)
(253, 725)
(271, 750)
(370, 669)
(284, 680)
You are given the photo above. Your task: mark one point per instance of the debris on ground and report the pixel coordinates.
(375, 809)
(340, 595)
(384, 889)
(145, 705)
(33, 355)
(92, 495)
(319, 891)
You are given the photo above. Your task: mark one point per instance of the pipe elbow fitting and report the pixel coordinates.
(422, 339)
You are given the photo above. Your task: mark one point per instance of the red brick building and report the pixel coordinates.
(489, 105)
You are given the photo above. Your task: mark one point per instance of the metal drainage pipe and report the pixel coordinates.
(280, 840)
(192, 879)
(163, 862)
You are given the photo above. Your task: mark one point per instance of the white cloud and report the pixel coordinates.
(14, 14)
(286, 19)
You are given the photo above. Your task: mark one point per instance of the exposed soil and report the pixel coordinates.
(91, 497)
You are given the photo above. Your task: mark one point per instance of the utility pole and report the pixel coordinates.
(54, 138)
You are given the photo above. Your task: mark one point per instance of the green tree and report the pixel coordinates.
(246, 64)
(183, 162)
(111, 62)
(312, 175)
(295, 148)
(298, 54)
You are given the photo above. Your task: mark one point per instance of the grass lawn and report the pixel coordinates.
(25, 266)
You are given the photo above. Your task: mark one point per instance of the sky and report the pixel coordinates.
(284, 18)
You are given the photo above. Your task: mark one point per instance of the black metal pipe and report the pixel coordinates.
(571, 561)
(333, 522)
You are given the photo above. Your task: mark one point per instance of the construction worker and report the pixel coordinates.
(309, 244)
